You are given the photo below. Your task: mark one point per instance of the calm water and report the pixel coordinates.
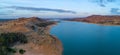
(88, 39)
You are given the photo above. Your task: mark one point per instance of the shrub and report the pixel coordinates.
(21, 51)
(12, 50)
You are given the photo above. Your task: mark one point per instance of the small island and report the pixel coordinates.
(28, 36)
(99, 19)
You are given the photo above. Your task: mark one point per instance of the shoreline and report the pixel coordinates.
(94, 23)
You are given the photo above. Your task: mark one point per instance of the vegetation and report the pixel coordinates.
(33, 27)
(44, 24)
(21, 51)
(7, 40)
(11, 50)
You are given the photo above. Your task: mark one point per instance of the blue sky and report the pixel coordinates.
(58, 8)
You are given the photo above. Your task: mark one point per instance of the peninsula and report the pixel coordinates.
(28, 36)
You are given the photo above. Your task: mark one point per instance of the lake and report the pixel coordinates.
(80, 38)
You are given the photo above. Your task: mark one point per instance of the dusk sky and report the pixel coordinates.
(58, 8)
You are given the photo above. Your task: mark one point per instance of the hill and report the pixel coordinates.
(98, 19)
(35, 31)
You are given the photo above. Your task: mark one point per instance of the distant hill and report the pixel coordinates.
(99, 19)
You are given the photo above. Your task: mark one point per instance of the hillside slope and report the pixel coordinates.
(40, 42)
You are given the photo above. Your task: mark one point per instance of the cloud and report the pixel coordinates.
(103, 3)
(115, 11)
(111, 0)
(41, 9)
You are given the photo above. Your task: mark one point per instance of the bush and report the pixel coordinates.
(21, 51)
(12, 50)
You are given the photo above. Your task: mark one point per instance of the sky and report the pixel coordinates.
(58, 8)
